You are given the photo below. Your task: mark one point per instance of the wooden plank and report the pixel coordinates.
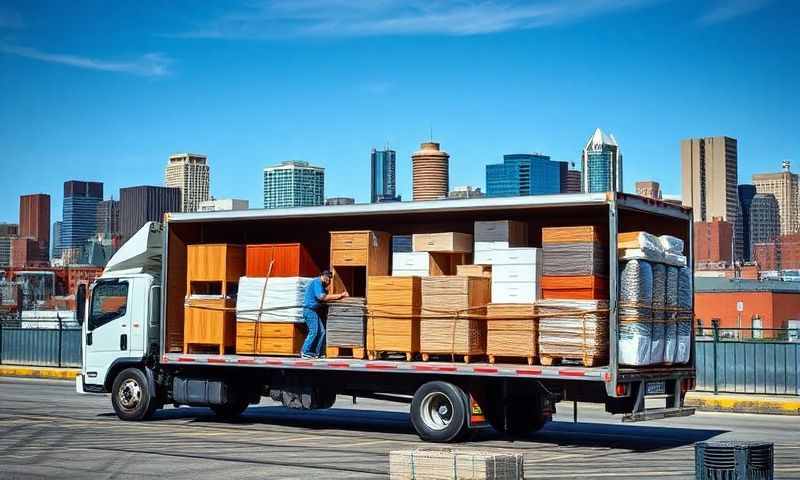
(580, 234)
(582, 287)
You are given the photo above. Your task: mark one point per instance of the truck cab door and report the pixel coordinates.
(107, 331)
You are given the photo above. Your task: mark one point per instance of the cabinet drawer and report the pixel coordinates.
(284, 346)
(502, 230)
(349, 257)
(482, 246)
(515, 292)
(517, 256)
(278, 330)
(410, 273)
(484, 257)
(349, 241)
(452, 242)
(515, 273)
(411, 261)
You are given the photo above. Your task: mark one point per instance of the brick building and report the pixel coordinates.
(782, 254)
(713, 241)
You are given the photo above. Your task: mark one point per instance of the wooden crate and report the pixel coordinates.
(511, 331)
(393, 321)
(583, 287)
(474, 271)
(269, 338)
(290, 260)
(356, 256)
(582, 234)
(452, 312)
(448, 242)
(207, 330)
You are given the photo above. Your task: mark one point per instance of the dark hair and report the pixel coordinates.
(327, 273)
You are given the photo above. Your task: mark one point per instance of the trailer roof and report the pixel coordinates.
(444, 205)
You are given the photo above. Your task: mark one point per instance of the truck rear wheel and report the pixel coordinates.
(131, 396)
(517, 416)
(439, 412)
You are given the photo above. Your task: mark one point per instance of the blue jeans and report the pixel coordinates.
(316, 333)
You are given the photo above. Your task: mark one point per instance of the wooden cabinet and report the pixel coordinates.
(208, 330)
(449, 242)
(510, 233)
(393, 323)
(511, 331)
(269, 338)
(215, 263)
(424, 264)
(357, 255)
(290, 260)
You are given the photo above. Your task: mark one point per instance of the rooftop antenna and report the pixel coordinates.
(786, 164)
(431, 131)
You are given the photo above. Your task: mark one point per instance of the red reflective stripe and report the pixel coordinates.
(529, 371)
(303, 364)
(606, 377)
(217, 360)
(572, 373)
(381, 365)
(185, 359)
(431, 368)
(247, 360)
(273, 362)
(484, 369)
(339, 365)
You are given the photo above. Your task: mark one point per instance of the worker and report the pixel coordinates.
(315, 295)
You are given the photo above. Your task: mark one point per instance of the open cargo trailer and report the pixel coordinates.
(447, 398)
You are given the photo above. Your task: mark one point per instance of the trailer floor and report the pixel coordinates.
(48, 431)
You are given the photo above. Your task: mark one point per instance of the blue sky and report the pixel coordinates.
(107, 90)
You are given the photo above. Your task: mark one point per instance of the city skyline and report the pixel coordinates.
(251, 115)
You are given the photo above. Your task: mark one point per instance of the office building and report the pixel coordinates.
(108, 218)
(649, 189)
(32, 248)
(709, 171)
(602, 164)
(525, 174)
(139, 205)
(294, 184)
(573, 183)
(79, 217)
(764, 218)
(188, 172)
(431, 172)
(713, 241)
(222, 204)
(383, 179)
(8, 232)
(55, 240)
(742, 226)
(784, 186)
(466, 191)
(340, 201)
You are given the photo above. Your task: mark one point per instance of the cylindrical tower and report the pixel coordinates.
(431, 172)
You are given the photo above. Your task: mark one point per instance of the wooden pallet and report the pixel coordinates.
(548, 360)
(344, 352)
(457, 356)
(379, 354)
(530, 359)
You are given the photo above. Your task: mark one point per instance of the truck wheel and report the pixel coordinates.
(524, 416)
(131, 396)
(232, 408)
(439, 412)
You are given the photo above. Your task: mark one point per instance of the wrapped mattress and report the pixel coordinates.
(282, 300)
(635, 313)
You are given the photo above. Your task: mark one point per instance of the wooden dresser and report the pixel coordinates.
(356, 255)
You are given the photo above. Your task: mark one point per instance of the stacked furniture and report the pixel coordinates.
(575, 264)
(516, 275)
(474, 271)
(425, 264)
(393, 324)
(511, 331)
(212, 275)
(573, 330)
(499, 235)
(287, 259)
(356, 255)
(269, 315)
(346, 328)
(453, 311)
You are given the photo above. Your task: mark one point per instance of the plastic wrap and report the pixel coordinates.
(636, 297)
(670, 320)
(671, 244)
(684, 327)
(574, 330)
(659, 298)
(282, 301)
(674, 259)
(573, 259)
(648, 254)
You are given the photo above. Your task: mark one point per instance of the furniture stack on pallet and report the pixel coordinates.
(455, 464)
(573, 330)
(269, 315)
(355, 256)
(212, 275)
(511, 331)
(394, 316)
(453, 311)
(346, 328)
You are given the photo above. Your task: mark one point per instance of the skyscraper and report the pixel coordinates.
(764, 218)
(649, 189)
(79, 218)
(55, 240)
(709, 172)
(431, 172)
(525, 174)
(188, 172)
(294, 184)
(383, 179)
(602, 164)
(108, 218)
(784, 185)
(746, 194)
(573, 180)
(8, 232)
(34, 231)
(145, 203)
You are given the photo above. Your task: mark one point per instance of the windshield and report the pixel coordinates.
(109, 302)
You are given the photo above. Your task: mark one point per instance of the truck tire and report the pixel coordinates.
(439, 412)
(233, 408)
(131, 396)
(517, 416)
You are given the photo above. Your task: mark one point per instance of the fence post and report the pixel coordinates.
(715, 327)
(60, 338)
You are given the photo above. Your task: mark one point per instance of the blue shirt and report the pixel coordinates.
(315, 290)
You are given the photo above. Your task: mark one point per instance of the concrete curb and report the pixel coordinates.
(38, 372)
(743, 403)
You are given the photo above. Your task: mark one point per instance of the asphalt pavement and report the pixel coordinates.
(49, 431)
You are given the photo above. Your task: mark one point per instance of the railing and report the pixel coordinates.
(40, 342)
(748, 360)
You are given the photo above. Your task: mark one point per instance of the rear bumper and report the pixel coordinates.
(657, 414)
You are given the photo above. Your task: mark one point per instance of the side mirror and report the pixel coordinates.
(80, 303)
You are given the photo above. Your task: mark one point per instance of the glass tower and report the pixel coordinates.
(525, 174)
(383, 180)
(294, 184)
(79, 216)
(602, 164)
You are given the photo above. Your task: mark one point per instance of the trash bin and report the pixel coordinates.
(733, 460)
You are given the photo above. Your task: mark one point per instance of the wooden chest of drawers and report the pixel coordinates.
(290, 260)
(357, 255)
(393, 320)
(269, 338)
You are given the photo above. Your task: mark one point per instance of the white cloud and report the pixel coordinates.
(354, 18)
(726, 10)
(148, 65)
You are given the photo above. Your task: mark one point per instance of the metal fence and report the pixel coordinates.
(738, 360)
(45, 343)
